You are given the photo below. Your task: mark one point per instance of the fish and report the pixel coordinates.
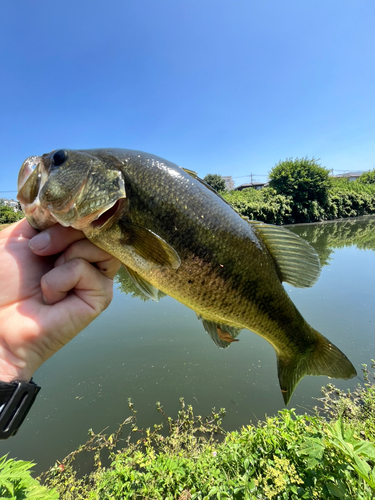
(175, 235)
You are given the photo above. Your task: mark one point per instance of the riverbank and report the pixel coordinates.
(344, 200)
(329, 454)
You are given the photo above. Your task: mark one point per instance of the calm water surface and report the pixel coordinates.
(152, 352)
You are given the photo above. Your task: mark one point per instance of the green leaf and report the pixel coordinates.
(314, 448)
(362, 467)
(336, 491)
(365, 448)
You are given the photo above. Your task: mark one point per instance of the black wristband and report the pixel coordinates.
(16, 399)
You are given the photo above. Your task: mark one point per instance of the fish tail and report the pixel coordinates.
(323, 358)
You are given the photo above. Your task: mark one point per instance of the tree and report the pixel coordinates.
(8, 215)
(306, 183)
(367, 177)
(302, 179)
(215, 181)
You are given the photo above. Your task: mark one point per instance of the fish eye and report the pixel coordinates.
(59, 157)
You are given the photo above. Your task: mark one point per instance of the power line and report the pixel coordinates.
(254, 175)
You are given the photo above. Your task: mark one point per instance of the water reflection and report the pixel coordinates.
(327, 237)
(127, 285)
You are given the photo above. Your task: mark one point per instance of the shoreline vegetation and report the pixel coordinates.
(328, 454)
(345, 200)
(301, 191)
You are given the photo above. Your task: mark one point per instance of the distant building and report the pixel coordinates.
(352, 176)
(10, 203)
(229, 184)
(254, 185)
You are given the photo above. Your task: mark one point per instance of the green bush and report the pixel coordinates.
(306, 183)
(264, 205)
(350, 199)
(343, 199)
(367, 177)
(215, 181)
(301, 179)
(8, 215)
(16, 482)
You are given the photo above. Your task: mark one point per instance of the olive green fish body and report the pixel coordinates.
(175, 234)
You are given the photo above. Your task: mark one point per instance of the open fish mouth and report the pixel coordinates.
(48, 195)
(108, 215)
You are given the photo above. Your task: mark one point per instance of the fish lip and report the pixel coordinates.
(36, 214)
(27, 169)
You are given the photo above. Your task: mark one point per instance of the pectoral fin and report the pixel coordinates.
(297, 262)
(222, 335)
(149, 245)
(145, 287)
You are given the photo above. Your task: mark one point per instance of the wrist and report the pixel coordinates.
(10, 372)
(13, 367)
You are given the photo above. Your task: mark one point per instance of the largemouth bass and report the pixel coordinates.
(176, 235)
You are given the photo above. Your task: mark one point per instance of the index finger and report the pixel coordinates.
(20, 229)
(54, 240)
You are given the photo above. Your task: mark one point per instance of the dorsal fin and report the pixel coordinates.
(297, 261)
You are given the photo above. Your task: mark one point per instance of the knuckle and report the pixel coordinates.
(77, 265)
(108, 296)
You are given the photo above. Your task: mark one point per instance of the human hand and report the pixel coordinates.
(46, 299)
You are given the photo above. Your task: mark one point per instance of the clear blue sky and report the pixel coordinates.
(217, 86)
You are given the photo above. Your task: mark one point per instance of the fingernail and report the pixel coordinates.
(40, 241)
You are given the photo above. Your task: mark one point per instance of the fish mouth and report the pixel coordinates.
(92, 222)
(85, 205)
(31, 178)
(108, 215)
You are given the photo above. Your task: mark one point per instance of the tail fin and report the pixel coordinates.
(323, 359)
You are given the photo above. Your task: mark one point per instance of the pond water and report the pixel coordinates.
(150, 352)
